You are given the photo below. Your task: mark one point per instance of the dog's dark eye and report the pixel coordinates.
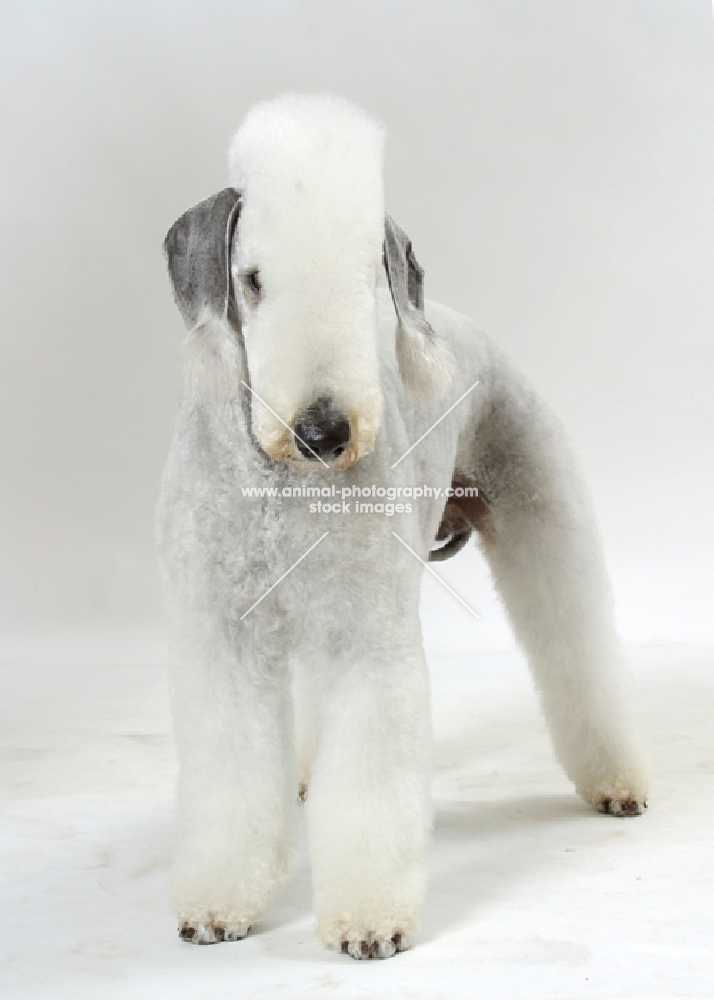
(251, 280)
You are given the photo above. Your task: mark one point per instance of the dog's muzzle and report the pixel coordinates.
(322, 430)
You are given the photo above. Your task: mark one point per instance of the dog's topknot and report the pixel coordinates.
(313, 155)
(313, 134)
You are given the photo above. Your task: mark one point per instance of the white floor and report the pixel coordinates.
(531, 894)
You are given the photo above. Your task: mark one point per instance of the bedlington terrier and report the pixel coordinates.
(316, 376)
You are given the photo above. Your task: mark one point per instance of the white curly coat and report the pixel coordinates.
(325, 679)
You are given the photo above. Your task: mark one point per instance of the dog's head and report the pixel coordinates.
(276, 280)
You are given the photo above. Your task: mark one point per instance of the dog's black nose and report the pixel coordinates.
(322, 430)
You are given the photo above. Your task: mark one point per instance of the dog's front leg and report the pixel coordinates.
(236, 786)
(368, 809)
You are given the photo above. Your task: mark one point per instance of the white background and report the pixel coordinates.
(554, 165)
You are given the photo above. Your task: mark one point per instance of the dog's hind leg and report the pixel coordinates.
(540, 539)
(306, 704)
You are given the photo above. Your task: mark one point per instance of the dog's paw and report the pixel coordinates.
(212, 931)
(358, 939)
(619, 796)
(373, 946)
(621, 807)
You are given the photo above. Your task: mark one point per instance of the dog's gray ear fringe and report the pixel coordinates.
(425, 363)
(198, 253)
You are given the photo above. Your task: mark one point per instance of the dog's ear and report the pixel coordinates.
(424, 362)
(198, 253)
